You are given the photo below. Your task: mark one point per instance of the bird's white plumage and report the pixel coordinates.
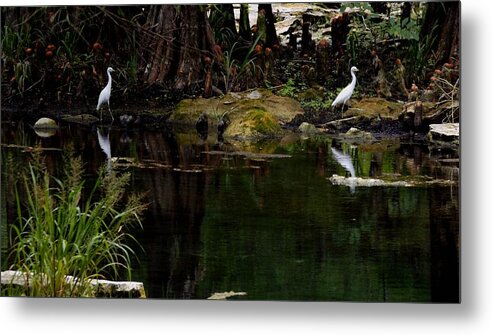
(347, 92)
(106, 93)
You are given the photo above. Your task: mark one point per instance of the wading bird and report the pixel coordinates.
(346, 93)
(105, 94)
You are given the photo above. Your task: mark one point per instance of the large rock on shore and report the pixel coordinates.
(251, 115)
(446, 135)
(370, 108)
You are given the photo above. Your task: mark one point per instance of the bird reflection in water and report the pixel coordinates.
(104, 143)
(345, 160)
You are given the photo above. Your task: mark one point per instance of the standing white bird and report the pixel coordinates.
(346, 93)
(105, 94)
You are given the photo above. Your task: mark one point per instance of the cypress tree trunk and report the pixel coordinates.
(174, 45)
(441, 21)
(271, 37)
(225, 15)
(224, 25)
(244, 25)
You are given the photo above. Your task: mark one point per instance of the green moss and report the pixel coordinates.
(262, 122)
(185, 112)
(311, 94)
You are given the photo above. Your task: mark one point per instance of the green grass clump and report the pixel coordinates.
(63, 231)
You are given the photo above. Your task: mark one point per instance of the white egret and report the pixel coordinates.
(105, 94)
(346, 93)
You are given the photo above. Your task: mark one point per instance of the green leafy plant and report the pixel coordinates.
(234, 70)
(63, 232)
(419, 58)
(22, 74)
(407, 29)
(288, 90)
(14, 42)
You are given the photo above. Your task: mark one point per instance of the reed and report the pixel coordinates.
(61, 231)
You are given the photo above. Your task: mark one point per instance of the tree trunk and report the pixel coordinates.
(441, 21)
(244, 25)
(339, 32)
(224, 25)
(225, 14)
(270, 38)
(174, 45)
(307, 43)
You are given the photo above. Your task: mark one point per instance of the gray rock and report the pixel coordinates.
(308, 128)
(45, 133)
(254, 95)
(444, 135)
(45, 123)
(354, 133)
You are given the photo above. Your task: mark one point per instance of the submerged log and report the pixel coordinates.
(374, 182)
(225, 295)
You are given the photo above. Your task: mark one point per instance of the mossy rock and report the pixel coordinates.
(84, 119)
(311, 94)
(257, 118)
(256, 123)
(370, 108)
(308, 128)
(188, 110)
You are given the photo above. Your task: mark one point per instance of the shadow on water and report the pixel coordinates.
(263, 218)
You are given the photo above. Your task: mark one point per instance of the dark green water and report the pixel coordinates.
(275, 227)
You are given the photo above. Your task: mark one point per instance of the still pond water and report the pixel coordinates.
(264, 219)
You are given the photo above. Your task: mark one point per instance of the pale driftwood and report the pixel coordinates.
(101, 288)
